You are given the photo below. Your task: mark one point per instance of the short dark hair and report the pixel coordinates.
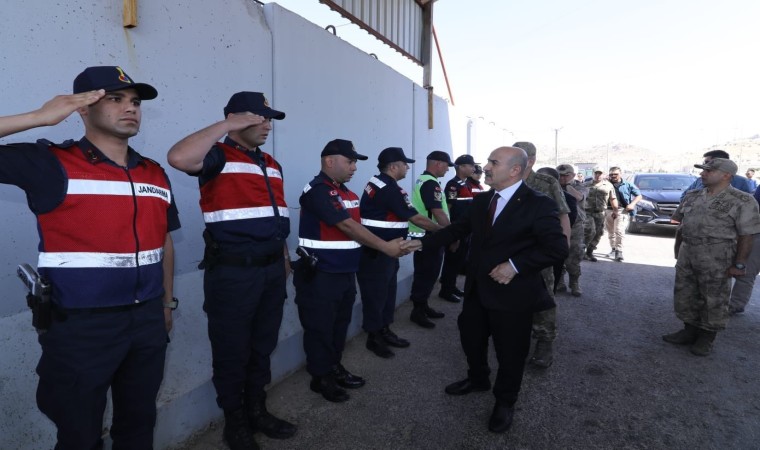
(717, 154)
(614, 168)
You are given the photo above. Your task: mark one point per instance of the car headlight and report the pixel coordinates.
(647, 204)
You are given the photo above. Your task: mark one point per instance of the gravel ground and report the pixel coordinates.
(614, 384)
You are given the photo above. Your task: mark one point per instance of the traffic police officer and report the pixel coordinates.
(330, 237)
(459, 195)
(111, 272)
(246, 260)
(385, 210)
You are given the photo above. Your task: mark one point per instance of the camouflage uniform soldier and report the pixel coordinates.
(601, 193)
(573, 261)
(545, 322)
(712, 245)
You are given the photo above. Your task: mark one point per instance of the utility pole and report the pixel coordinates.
(556, 150)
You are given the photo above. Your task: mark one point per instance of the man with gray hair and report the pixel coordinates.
(545, 322)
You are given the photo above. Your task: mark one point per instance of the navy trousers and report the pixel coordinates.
(427, 267)
(377, 278)
(244, 309)
(87, 353)
(325, 303)
(453, 263)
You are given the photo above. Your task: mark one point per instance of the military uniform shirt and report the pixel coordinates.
(724, 216)
(599, 196)
(550, 187)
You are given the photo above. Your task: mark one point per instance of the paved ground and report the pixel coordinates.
(614, 384)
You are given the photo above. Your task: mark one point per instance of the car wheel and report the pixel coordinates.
(633, 228)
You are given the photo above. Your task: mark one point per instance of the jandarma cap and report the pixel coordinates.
(254, 102)
(438, 155)
(465, 159)
(393, 154)
(342, 147)
(722, 164)
(565, 169)
(111, 78)
(529, 148)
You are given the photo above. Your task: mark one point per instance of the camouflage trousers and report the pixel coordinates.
(545, 322)
(594, 228)
(573, 261)
(702, 288)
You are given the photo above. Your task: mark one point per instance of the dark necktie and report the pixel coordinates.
(492, 209)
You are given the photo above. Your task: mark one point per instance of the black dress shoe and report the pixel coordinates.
(391, 339)
(419, 317)
(376, 344)
(346, 379)
(466, 386)
(452, 297)
(327, 386)
(459, 292)
(433, 314)
(501, 418)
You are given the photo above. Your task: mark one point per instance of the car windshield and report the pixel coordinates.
(662, 182)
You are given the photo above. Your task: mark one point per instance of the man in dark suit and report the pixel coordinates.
(516, 233)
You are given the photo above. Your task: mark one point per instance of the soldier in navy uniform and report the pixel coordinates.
(104, 213)
(246, 259)
(385, 210)
(331, 234)
(459, 197)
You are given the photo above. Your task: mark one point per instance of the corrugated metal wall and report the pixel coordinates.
(398, 23)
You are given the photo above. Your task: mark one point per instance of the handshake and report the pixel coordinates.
(400, 247)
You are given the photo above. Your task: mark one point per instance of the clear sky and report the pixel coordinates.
(669, 75)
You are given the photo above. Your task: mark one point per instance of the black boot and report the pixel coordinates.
(420, 317)
(329, 389)
(686, 336)
(433, 314)
(391, 339)
(237, 431)
(263, 421)
(376, 344)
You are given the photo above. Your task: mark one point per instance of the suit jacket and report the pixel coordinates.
(527, 231)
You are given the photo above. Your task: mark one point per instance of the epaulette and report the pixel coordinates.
(65, 144)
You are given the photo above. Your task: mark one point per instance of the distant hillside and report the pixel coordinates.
(745, 152)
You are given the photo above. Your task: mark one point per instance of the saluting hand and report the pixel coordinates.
(61, 106)
(503, 273)
(241, 121)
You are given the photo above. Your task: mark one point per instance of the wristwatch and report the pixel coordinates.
(740, 266)
(172, 304)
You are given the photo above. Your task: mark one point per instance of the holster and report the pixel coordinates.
(42, 312)
(210, 253)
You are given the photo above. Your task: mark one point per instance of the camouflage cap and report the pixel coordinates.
(529, 148)
(722, 164)
(565, 169)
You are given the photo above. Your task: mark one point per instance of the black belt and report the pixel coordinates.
(102, 310)
(248, 261)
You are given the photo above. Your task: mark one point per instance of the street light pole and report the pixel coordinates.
(556, 150)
